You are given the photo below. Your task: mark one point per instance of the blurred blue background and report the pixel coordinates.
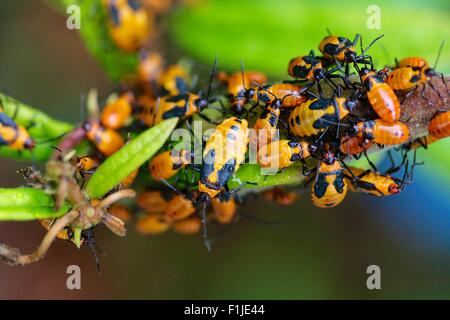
(313, 253)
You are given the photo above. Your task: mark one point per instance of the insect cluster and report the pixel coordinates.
(336, 107)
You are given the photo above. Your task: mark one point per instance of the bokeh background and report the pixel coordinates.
(311, 254)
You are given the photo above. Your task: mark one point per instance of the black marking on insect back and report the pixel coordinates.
(174, 112)
(176, 166)
(6, 121)
(320, 104)
(3, 142)
(135, 5)
(297, 120)
(181, 85)
(325, 121)
(415, 78)
(300, 71)
(226, 172)
(292, 122)
(321, 185)
(235, 127)
(208, 164)
(264, 114)
(365, 185)
(176, 98)
(345, 42)
(273, 119)
(264, 97)
(114, 13)
(310, 60)
(331, 49)
(339, 183)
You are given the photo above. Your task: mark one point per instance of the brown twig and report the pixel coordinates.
(420, 107)
(13, 256)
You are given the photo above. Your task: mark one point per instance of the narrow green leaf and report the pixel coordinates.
(22, 204)
(116, 63)
(253, 175)
(121, 164)
(44, 128)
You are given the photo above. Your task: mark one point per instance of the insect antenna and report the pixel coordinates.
(211, 77)
(370, 44)
(441, 47)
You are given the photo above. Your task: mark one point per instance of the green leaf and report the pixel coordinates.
(44, 128)
(254, 176)
(22, 204)
(116, 63)
(122, 163)
(267, 34)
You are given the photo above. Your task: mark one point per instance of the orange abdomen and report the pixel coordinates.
(404, 79)
(162, 167)
(384, 102)
(289, 93)
(386, 133)
(353, 145)
(116, 114)
(413, 62)
(439, 126)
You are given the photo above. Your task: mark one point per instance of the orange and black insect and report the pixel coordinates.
(283, 153)
(265, 128)
(242, 87)
(338, 49)
(116, 114)
(181, 105)
(290, 94)
(381, 97)
(173, 80)
(68, 233)
(381, 132)
(439, 126)
(85, 166)
(224, 152)
(129, 24)
(316, 115)
(311, 69)
(106, 140)
(329, 188)
(411, 72)
(13, 135)
(353, 145)
(372, 183)
(168, 163)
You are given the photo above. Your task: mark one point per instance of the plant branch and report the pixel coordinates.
(13, 256)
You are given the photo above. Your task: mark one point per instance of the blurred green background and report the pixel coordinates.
(312, 253)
